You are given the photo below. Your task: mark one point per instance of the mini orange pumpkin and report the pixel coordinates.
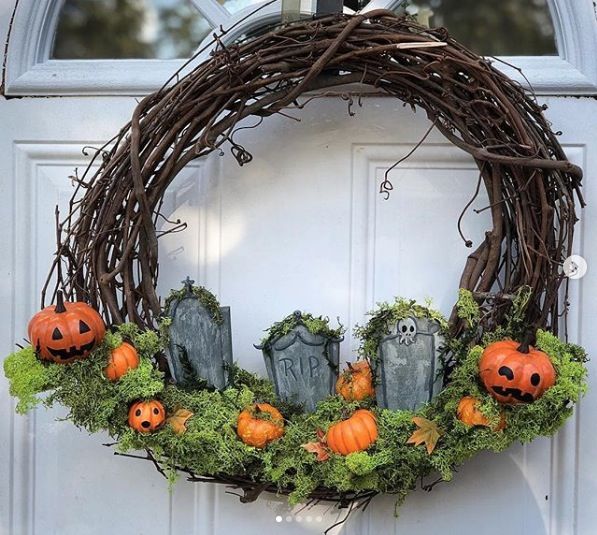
(513, 375)
(146, 416)
(469, 414)
(356, 382)
(357, 433)
(66, 332)
(258, 432)
(121, 360)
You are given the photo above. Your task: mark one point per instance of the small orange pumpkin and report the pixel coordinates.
(146, 416)
(469, 414)
(356, 382)
(258, 432)
(121, 360)
(357, 433)
(66, 332)
(512, 374)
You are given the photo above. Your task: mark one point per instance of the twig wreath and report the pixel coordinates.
(108, 257)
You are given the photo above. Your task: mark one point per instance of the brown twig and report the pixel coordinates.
(108, 239)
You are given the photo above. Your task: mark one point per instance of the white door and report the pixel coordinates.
(301, 227)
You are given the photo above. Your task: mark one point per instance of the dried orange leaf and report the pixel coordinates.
(179, 420)
(428, 434)
(319, 449)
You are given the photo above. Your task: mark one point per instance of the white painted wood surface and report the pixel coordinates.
(30, 71)
(311, 187)
(249, 230)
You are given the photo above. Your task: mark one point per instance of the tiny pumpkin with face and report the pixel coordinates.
(356, 433)
(513, 373)
(66, 332)
(260, 424)
(122, 359)
(356, 382)
(146, 416)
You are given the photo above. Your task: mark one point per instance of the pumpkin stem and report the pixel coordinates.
(526, 342)
(60, 308)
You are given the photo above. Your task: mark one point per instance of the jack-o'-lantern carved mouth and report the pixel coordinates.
(516, 393)
(72, 352)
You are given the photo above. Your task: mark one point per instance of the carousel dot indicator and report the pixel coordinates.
(575, 267)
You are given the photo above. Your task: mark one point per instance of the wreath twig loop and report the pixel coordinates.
(107, 255)
(110, 250)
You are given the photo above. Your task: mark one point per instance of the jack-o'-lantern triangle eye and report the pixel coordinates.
(83, 327)
(56, 334)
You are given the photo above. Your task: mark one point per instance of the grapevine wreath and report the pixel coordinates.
(507, 375)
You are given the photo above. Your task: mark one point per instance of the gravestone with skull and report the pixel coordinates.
(409, 364)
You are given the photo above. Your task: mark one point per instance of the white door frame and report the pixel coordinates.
(29, 71)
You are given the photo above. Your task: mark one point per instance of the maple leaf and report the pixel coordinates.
(178, 420)
(319, 447)
(428, 434)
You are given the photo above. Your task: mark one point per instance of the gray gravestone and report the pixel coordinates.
(302, 366)
(409, 364)
(206, 342)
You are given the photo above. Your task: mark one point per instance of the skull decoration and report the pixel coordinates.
(408, 364)
(407, 331)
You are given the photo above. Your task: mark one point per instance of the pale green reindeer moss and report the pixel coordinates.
(28, 377)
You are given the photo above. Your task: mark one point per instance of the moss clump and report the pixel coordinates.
(314, 324)
(385, 316)
(206, 298)
(28, 377)
(467, 308)
(210, 445)
(262, 389)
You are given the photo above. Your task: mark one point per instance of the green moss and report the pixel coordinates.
(28, 378)
(144, 382)
(385, 316)
(515, 321)
(361, 463)
(262, 389)
(315, 325)
(211, 447)
(467, 307)
(206, 298)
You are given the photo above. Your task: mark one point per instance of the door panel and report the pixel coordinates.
(301, 227)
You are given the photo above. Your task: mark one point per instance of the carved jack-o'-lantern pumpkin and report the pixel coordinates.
(146, 416)
(66, 332)
(513, 373)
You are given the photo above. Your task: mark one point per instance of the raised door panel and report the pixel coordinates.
(302, 226)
